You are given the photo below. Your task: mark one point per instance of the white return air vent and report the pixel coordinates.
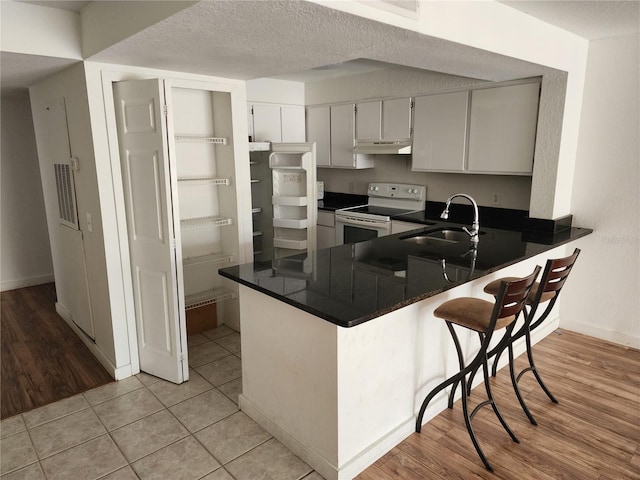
(65, 186)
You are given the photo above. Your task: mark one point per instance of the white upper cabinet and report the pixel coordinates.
(485, 130)
(276, 123)
(384, 119)
(369, 120)
(266, 123)
(318, 126)
(502, 129)
(440, 132)
(343, 139)
(396, 119)
(292, 123)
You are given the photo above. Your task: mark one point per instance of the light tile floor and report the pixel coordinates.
(143, 427)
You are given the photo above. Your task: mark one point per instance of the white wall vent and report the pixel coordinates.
(65, 187)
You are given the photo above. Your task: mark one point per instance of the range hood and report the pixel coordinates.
(383, 147)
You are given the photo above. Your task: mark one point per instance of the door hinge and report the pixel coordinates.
(411, 104)
(165, 110)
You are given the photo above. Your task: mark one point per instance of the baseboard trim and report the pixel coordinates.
(316, 461)
(118, 373)
(602, 334)
(26, 282)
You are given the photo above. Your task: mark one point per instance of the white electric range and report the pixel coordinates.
(386, 200)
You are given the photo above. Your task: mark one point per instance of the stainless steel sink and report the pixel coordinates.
(428, 239)
(439, 237)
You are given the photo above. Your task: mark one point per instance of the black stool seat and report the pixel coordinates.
(483, 317)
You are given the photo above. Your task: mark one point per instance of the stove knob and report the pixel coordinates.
(372, 187)
(376, 188)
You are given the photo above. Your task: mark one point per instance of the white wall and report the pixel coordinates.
(25, 255)
(51, 32)
(601, 298)
(70, 84)
(271, 90)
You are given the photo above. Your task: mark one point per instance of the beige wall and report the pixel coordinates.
(601, 298)
(25, 255)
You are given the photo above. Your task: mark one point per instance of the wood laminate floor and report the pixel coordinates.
(592, 434)
(42, 359)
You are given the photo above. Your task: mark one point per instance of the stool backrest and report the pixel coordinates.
(512, 295)
(556, 273)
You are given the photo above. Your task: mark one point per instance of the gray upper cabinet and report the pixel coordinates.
(276, 123)
(396, 119)
(343, 139)
(485, 130)
(440, 132)
(502, 129)
(384, 119)
(318, 126)
(369, 120)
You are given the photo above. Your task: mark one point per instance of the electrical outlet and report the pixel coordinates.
(495, 198)
(89, 222)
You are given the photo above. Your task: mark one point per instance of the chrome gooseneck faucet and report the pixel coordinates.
(475, 227)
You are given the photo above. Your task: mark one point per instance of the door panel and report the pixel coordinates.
(160, 318)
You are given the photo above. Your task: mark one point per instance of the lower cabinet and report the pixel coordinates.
(326, 229)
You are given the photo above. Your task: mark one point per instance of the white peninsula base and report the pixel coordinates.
(340, 398)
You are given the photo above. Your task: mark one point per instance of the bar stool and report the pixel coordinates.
(482, 317)
(547, 290)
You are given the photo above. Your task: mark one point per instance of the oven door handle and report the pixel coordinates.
(359, 221)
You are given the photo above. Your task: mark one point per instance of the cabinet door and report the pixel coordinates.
(439, 132)
(326, 229)
(502, 129)
(342, 135)
(326, 237)
(368, 120)
(266, 123)
(319, 131)
(292, 122)
(396, 119)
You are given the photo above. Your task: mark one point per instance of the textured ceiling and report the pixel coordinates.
(252, 39)
(298, 40)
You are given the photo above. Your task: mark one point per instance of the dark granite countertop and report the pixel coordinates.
(351, 284)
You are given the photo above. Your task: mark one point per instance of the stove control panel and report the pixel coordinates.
(397, 190)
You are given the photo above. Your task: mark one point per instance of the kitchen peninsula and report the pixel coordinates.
(337, 357)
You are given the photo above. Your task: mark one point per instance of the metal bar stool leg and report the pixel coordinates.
(514, 382)
(484, 318)
(532, 368)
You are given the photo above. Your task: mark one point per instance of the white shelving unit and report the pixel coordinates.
(294, 203)
(179, 172)
(207, 233)
(261, 211)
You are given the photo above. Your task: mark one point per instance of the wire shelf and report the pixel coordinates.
(201, 139)
(209, 257)
(201, 222)
(207, 297)
(204, 181)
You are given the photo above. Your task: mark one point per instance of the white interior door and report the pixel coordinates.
(160, 317)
